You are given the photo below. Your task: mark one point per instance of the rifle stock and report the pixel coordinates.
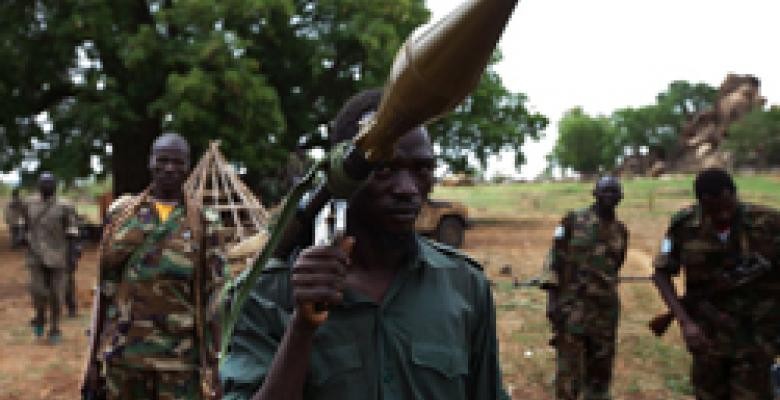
(660, 323)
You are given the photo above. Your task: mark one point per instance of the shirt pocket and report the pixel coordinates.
(336, 366)
(440, 370)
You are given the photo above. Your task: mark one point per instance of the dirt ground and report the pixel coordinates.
(30, 369)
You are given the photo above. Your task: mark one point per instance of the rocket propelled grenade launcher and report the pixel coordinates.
(436, 68)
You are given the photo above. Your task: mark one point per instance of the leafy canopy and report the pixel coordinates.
(99, 79)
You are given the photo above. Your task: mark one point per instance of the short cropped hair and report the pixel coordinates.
(712, 182)
(346, 124)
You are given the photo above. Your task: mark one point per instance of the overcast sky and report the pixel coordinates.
(607, 54)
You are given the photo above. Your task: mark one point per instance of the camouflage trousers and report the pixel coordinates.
(584, 366)
(743, 376)
(124, 383)
(47, 289)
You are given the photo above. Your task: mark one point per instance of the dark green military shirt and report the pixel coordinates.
(433, 337)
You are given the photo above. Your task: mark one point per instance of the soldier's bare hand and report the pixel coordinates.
(318, 278)
(694, 337)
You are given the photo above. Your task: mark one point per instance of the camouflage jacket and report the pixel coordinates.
(150, 318)
(583, 265)
(692, 245)
(51, 225)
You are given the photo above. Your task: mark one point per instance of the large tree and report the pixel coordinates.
(97, 78)
(492, 119)
(659, 125)
(586, 144)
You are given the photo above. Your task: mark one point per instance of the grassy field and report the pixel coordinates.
(657, 196)
(517, 223)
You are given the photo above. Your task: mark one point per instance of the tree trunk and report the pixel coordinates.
(130, 158)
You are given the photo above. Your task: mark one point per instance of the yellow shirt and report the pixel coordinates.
(164, 210)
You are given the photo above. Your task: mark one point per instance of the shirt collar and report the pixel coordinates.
(431, 257)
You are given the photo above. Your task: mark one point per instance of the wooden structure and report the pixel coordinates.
(214, 184)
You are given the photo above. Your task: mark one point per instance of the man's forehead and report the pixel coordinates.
(414, 145)
(726, 198)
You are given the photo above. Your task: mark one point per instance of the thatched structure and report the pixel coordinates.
(214, 183)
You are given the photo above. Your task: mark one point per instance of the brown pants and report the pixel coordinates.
(47, 288)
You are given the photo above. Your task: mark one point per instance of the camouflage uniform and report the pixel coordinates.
(150, 342)
(51, 226)
(583, 267)
(14, 218)
(736, 365)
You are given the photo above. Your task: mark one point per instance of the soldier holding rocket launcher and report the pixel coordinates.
(389, 325)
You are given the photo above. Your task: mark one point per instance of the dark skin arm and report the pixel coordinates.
(693, 335)
(318, 277)
(560, 245)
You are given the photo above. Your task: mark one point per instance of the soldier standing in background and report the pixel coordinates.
(730, 315)
(583, 307)
(155, 329)
(52, 235)
(14, 217)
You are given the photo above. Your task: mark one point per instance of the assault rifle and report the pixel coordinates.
(749, 269)
(538, 283)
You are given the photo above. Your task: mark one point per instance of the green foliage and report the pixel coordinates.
(755, 139)
(658, 126)
(490, 120)
(585, 144)
(263, 76)
(260, 75)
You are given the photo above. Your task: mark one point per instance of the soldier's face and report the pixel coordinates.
(392, 198)
(47, 187)
(169, 166)
(720, 209)
(608, 196)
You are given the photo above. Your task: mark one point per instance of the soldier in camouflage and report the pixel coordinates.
(157, 329)
(732, 333)
(581, 271)
(52, 232)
